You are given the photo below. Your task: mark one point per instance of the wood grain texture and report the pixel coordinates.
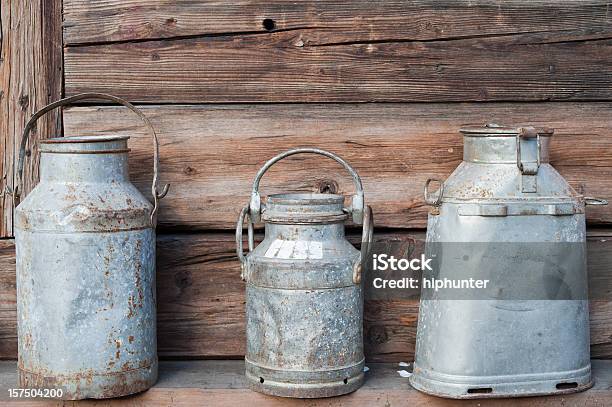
(30, 77)
(201, 300)
(325, 21)
(222, 383)
(8, 300)
(281, 67)
(210, 154)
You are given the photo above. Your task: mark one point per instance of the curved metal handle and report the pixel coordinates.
(589, 200)
(427, 196)
(366, 240)
(239, 251)
(62, 102)
(357, 202)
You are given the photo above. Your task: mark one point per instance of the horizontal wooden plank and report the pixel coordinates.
(280, 67)
(222, 383)
(201, 300)
(210, 154)
(325, 21)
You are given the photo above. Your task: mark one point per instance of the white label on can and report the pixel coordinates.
(286, 250)
(299, 250)
(273, 249)
(315, 250)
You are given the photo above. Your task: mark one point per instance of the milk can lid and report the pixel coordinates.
(83, 139)
(493, 129)
(304, 208)
(85, 145)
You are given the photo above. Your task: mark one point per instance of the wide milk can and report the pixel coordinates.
(85, 242)
(506, 218)
(304, 295)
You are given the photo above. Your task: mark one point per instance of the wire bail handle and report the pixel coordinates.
(62, 102)
(357, 203)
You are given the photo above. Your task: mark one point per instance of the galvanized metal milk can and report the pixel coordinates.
(304, 296)
(85, 242)
(505, 214)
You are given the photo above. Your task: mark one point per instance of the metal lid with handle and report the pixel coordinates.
(252, 212)
(356, 208)
(157, 195)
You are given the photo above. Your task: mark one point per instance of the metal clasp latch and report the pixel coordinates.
(529, 169)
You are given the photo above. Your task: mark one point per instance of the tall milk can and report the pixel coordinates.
(304, 296)
(507, 216)
(85, 243)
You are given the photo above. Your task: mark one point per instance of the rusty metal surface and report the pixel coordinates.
(85, 257)
(304, 305)
(503, 347)
(86, 312)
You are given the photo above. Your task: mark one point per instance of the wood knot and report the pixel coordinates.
(189, 170)
(377, 334)
(183, 279)
(328, 186)
(24, 102)
(268, 24)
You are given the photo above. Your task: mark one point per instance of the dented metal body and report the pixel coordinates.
(304, 297)
(85, 247)
(511, 343)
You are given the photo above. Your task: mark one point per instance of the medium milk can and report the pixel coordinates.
(85, 243)
(304, 296)
(506, 216)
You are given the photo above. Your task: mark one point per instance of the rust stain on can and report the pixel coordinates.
(304, 306)
(85, 242)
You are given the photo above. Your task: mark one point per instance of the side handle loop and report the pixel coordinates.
(589, 200)
(244, 214)
(429, 199)
(367, 238)
(357, 203)
(157, 194)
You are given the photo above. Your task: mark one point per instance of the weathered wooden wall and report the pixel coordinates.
(228, 84)
(328, 51)
(30, 77)
(211, 153)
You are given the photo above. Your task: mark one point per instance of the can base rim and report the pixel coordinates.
(305, 390)
(97, 386)
(504, 389)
